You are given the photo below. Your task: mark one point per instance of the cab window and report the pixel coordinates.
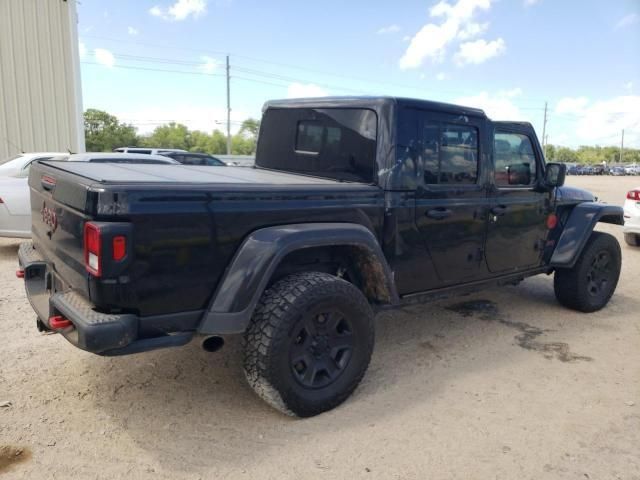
(514, 160)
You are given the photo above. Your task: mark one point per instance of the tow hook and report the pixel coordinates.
(58, 322)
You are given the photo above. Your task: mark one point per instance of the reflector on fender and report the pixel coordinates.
(119, 247)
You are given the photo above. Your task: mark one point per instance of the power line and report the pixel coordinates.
(281, 64)
(131, 67)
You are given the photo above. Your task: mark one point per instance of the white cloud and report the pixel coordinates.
(132, 31)
(82, 50)
(302, 90)
(388, 29)
(208, 65)
(104, 57)
(571, 105)
(180, 10)
(602, 121)
(432, 40)
(530, 3)
(628, 86)
(193, 116)
(514, 92)
(441, 76)
(472, 30)
(479, 51)
(628, 20)
(406, 38)
(499, 106)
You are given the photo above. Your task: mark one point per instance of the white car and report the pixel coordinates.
(19, 165)
(631, 227)
(15, 207)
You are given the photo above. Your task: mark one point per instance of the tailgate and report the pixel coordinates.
(60, 204)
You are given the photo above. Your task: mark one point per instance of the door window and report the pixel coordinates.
(514, 159)
(449, 154)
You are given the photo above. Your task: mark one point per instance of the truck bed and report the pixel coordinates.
(153, 174)
(184, 224)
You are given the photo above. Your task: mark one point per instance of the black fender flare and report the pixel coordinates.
(250, 270)
(580, 224)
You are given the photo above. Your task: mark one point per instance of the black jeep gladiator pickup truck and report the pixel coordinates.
(354, 205)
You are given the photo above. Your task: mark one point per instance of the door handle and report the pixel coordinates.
(439, 213)
(499, 210)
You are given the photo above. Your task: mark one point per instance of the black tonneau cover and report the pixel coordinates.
(137, 173)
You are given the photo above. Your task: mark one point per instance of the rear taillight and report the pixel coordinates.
(92, 249)
(634, 195)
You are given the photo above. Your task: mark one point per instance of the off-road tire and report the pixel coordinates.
(588, 286)
(632, 239)
(269, 341)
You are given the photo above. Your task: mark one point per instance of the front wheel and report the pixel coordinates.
(309, 343)
(632, 239)
(588, 286)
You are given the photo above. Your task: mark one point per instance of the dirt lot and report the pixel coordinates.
(501, 384)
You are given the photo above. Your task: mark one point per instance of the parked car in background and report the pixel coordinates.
(191, 158)
(19, 164)
(15, 208)
(147, 151)
(632, 170)
(115, 157)
(616, 171)
(632, 217)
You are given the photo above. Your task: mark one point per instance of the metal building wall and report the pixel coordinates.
(40, 89)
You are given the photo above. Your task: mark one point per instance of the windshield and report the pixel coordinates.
(7, 160)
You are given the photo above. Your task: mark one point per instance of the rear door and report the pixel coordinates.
(517, 219)
(451, 202)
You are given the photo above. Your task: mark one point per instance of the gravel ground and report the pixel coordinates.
(504, 384)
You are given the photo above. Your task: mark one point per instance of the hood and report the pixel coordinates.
(567, 194)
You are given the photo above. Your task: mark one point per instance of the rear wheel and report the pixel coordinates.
(309, 343)
(632, 239)
(589, 285)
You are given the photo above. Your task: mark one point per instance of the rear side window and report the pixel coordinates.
(138, 150)
(514, 159)
(336, 143)
(449, 154)
(127, 160)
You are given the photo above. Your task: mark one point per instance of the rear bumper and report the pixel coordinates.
(631, 217)
(96, 332)
(16, 226)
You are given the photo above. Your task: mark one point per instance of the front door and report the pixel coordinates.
(451, 202)
(517, 217)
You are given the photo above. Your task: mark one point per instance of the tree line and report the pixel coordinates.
(103, 132)
(591, 155)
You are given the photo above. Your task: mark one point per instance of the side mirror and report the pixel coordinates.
(519, 174)
(554, 174)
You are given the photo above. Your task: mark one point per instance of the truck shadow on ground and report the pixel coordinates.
(193, 410)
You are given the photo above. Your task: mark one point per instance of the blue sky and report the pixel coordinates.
(155, 61)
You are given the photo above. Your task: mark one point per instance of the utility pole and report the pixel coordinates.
(544, 128)
(228, 110)
(622, 146)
